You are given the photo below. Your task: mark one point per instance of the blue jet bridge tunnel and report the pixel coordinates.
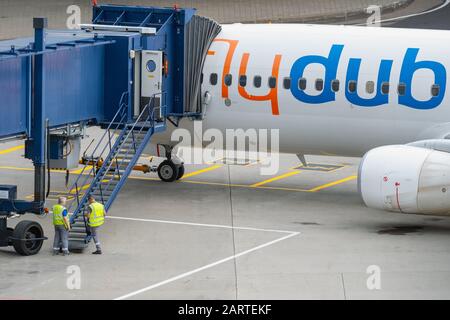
(129, 71)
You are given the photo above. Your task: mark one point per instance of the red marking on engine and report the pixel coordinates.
(398, 199)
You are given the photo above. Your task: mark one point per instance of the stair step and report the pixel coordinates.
(125, 155)
(75, 245)
(78, 230)
(73, 236)
(102, 191)
(131, 143)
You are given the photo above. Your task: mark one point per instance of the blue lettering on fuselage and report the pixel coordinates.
(331, 64)
(409, 67)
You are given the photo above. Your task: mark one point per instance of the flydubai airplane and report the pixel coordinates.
(375, 93)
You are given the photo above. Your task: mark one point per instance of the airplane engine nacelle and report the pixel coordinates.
(406, 179)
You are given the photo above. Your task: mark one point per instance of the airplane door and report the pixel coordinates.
(151, 78)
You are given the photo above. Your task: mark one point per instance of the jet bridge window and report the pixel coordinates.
(213, 79)
(302, 84)
(435, 90)
(243, 81)
(319, 84)
(401, 89)
(228, 80)
(272, 82)
(385, 88)
(287, 83)
(335, 85)
(257, 81)
(352, 86)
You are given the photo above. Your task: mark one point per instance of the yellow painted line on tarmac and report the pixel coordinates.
(88, 168)
(196, 173)
(260, 185)
(28, 169)
(16, 168)
(283, 176)
(6, 151)
(332, 184)
(223, 184)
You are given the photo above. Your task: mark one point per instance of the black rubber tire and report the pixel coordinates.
(180, 172)
(28, 230)
(168, 171)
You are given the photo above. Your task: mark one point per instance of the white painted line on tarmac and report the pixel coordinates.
(199, 224)
(446, 3)
(189, 273)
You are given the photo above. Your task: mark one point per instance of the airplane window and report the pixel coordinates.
(319, 84)
(287, 83)
(228, 80)
(401, 89)
(435, 90)
(272, 82)
(352, 86)
(257, 81)
(370, 87)
(302, 83)
(213, 79)
(335, 85)
(385, 88)
(243, 80)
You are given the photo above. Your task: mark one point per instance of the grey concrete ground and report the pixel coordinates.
(184, 244)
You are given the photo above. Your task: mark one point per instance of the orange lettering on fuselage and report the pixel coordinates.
(227, 65)
(272, 96)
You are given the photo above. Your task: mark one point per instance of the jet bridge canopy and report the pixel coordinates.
(190, 44)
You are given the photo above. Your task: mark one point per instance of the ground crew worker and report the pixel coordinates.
(62, 227)
(96, 218)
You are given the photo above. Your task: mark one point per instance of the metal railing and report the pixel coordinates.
(147, 123)
(96, 155)
(142, 122)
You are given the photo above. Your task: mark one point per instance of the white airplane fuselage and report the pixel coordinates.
(332, 90)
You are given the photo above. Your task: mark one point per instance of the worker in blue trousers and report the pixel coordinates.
(96, 218)
(62, 227)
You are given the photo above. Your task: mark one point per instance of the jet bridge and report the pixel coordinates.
(129, 71)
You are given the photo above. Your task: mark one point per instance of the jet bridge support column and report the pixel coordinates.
(38, 133)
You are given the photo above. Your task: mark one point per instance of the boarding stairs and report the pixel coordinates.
(110, 164)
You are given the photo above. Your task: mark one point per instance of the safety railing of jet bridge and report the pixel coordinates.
(95, 160)
(145, 121)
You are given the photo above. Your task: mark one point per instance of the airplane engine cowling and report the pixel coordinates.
(406, 179)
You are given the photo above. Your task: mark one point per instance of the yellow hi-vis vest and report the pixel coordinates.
(97, 217)
(58, 219)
